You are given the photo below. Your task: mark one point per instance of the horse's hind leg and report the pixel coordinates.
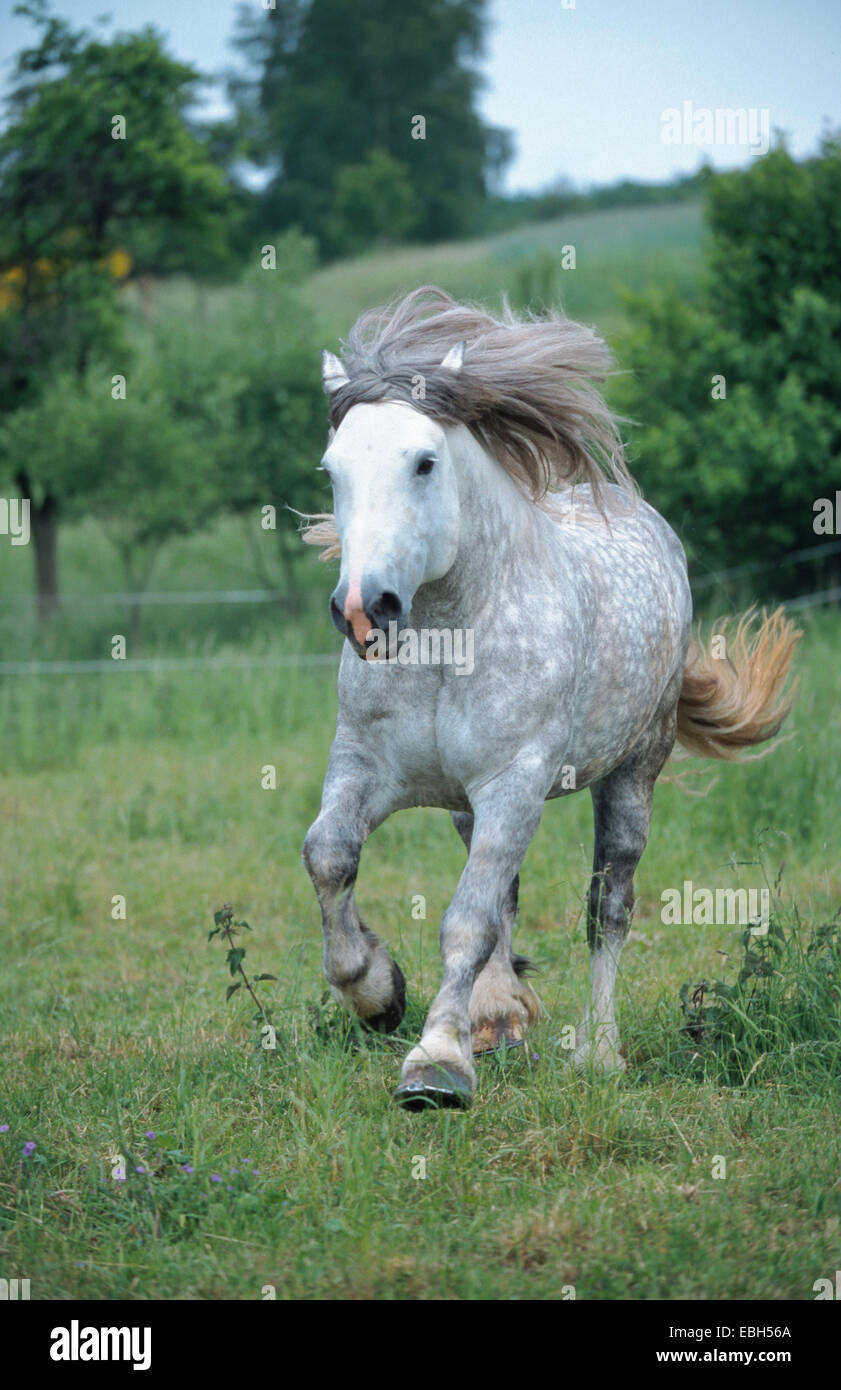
(622, 814)
(363, 977)
(502, 1005)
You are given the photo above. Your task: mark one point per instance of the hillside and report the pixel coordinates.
(626, 248)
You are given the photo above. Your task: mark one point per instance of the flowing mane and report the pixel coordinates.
(528, 390)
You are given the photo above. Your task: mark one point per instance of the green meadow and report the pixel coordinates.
(152, 1148)
(623, 247)
(147, 787)
(614, 250)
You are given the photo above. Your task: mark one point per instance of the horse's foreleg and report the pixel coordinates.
(506, 814)
(362, 975)
(501, 1003)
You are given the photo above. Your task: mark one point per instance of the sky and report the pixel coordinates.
(584, 84)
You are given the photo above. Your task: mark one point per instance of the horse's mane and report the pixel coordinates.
(528, 389)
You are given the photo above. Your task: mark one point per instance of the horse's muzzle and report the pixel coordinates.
(381, 608)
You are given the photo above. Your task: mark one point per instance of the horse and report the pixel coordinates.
(480, 487)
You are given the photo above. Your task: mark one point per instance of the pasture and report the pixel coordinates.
(614, 249)
(293, 1167)
(300, 1171)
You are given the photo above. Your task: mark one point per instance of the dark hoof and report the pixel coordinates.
(495, 1034)
(392, 1017)
(434, 1088)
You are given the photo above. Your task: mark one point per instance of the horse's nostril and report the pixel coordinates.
(338, 616)
(387, 608)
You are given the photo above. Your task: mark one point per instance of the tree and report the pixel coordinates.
(248, 379)
(98, 163)
(738, 396)
(275, 415)
(330, 84)
(135, 466)
(374, 201)
(775, 226)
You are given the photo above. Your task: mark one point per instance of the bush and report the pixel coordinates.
(737, 399)
(374, 202)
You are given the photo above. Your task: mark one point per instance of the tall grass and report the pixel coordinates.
(778, 1014)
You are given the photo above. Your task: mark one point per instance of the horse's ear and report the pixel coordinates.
(333, 374)
(454, 360)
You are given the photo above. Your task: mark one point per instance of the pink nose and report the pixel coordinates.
(358, 621)
(355, 614)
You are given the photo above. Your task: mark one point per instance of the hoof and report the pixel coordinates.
(432, 1087)
(392, 1017)
(493, 1034)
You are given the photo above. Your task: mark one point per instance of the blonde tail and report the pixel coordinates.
(732, 700)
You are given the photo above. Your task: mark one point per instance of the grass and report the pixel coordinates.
(148, 786)
(219, 557)
(623, 248)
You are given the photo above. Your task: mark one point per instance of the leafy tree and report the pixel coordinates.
(134, 465)
(276, 419)
(249, 379)
(775, 226)
(80, 208)
(330, 83)
(738, 396)
(374, 202)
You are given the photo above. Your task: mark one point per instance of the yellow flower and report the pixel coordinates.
(119, 263)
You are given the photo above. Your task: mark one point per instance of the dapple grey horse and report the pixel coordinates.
(479, 488)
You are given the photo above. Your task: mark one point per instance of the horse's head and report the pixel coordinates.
(396, 508)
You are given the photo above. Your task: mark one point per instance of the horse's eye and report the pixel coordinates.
(425, 466)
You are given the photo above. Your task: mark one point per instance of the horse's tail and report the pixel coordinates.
(734, 694)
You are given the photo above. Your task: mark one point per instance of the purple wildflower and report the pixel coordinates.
(29, 1148)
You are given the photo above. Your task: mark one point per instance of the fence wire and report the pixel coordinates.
(230, 661)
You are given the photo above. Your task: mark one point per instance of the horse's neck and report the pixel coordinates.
(501, 533)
